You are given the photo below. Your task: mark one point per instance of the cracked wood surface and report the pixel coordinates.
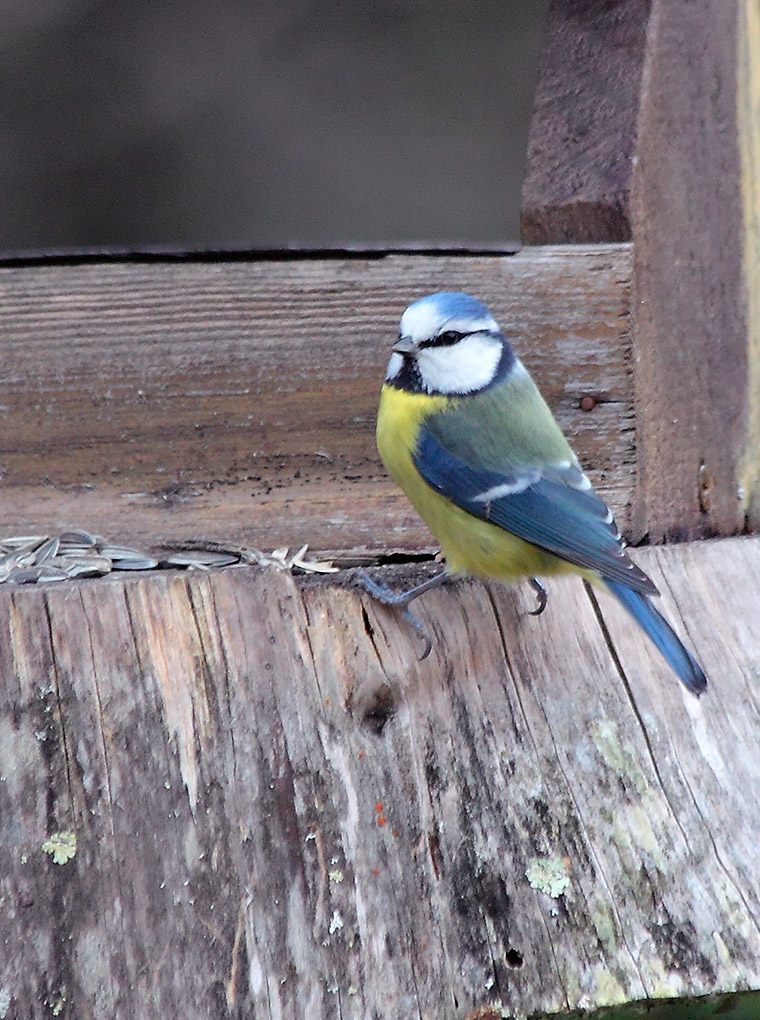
(280, 812)
(236, 401)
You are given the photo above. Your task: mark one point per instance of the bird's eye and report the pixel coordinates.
(449, 337)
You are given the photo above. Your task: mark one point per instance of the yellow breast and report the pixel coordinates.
(469, 544)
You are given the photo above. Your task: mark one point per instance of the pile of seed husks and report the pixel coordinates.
(36, 559)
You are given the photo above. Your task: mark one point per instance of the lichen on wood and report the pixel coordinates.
(279, 810)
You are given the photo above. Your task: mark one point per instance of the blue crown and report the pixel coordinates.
(451, 304)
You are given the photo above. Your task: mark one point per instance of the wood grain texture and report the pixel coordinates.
(236, 401)
(583, 133)
(280, 811)
(748, 118)
(646, 128)
(691, 343)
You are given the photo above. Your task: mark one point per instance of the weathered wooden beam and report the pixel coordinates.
(235, 401)
(748, 118)
(242, 794)
(583, 133)
(655, 139)
(692, 351)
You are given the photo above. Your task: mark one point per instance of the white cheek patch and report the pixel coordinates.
(394, 367)
(464, 367)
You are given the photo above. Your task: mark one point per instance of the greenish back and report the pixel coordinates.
(506, 425)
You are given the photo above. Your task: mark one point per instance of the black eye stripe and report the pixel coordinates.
(444, 339)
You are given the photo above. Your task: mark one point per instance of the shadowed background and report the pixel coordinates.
(238, 125)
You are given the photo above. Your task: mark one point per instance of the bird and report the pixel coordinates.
(465, 433)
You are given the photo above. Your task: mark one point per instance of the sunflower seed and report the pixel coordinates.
(47, 550)
(85, 566)
(31, 575)
(30, 542)
(52, 574)
(77, 550)
(17, 558)
(124, 557)
(79, 539)
(141, 562)
(121, 552)
(198, 558)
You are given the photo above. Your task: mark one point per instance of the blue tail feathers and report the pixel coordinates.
(662, 634)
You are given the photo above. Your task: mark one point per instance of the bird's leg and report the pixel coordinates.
(542, 596)
(380, 591)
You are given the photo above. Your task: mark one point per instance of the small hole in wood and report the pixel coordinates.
(380, 708)
(513, 958)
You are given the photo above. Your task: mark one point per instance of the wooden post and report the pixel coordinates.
(692, 345)
(583, 135)
(662, 147)
(748, 101)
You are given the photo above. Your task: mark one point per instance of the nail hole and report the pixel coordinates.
(513, 958)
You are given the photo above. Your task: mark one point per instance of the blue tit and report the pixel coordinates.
(464, 431)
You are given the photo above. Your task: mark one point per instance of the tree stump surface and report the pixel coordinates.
(239, 793)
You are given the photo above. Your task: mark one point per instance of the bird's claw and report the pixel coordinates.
(542, 597)
(398, 600)
(409, 615)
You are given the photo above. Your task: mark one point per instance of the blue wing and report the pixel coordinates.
(551, 506)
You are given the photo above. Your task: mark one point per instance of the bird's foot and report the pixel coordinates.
(542, 596)
(379, 590)
(400, 600)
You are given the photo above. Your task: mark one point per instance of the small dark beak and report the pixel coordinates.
(405, 346)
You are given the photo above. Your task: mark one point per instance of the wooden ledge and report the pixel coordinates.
(236, 401)
(261, 801)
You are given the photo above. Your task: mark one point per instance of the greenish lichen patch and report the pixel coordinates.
(606, 927)
(620, 757)
(548, 875)
(62, 846)
(609, 991)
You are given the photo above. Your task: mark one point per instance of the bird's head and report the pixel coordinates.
(449, 343)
